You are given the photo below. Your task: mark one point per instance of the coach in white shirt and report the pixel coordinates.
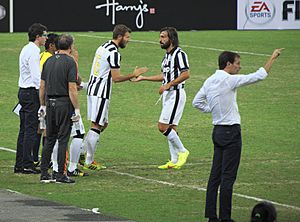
(218, 96)
(29, 84)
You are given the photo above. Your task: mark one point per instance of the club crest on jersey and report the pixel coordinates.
(166, 69)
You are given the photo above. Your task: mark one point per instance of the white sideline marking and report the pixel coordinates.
(200, 189)
(157, 181)
(185, 46)
(8, 150)
(269, 183)
(13, 191)
(184, 186)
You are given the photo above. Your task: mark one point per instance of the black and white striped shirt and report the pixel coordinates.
(173, 64)
(107, 57)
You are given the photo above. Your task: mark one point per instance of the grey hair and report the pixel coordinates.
(65, 41)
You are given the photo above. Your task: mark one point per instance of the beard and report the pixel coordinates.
(165, 45)
(122, 44)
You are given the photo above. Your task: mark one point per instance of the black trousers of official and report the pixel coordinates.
(58, 123)
(36, 148)
(29, 100)
(227, 153)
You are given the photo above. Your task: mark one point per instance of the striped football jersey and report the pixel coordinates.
(173, 64)
(107, 57)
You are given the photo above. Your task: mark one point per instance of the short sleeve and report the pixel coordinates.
(72, 74)
(114, 60)
(183, 63)
(162, 64)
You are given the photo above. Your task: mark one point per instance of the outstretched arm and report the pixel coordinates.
(236, 81)
(155, 78)
(117, 77)
(273, 57)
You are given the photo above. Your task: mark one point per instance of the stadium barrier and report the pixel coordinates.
(145, 15)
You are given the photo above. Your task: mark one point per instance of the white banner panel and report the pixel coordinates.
(268, 14)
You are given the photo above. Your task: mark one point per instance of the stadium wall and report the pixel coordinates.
(145, 15)
(4, 16)
(102, 15)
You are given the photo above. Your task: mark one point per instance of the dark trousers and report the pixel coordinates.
(36, 148)
(58, 123)
(29, 100)
(227, 152)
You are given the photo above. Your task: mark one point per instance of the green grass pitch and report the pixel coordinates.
(132, 187)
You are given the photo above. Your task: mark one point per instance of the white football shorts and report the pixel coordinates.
(173, 103)
(97, 110)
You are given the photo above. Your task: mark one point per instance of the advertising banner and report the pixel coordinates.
(268, 14)
(144, 15)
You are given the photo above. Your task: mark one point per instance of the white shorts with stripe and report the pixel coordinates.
(173, 102)
(77, 128)
(97, 109)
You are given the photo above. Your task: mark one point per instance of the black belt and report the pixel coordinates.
(28, 88)
(56, 96)
(227, 126)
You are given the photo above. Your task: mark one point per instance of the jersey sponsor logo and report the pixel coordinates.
(113, 7)
(260, 12)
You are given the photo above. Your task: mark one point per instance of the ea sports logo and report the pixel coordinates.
(260, 12)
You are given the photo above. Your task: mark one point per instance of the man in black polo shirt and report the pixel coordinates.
(58, 98)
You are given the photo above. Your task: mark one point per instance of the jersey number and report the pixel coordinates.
(96, 67)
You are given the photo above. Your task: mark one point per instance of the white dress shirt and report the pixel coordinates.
(218, 95)
(29, 65)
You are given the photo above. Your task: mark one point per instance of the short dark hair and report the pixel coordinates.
(172, 34)
(263, 212)
(34, 30)
(120, 30)
(52, 39)
(65, 41)
(225, 57)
